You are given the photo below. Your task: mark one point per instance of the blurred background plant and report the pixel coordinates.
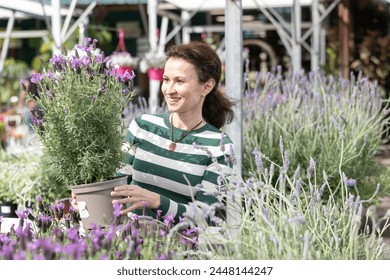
(25, 175)
(13, 71)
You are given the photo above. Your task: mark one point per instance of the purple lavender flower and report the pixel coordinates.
(99, 58)
(117, 209)
(163, 257)
(36, 78)
(168, 220)
(106, 59)
(222, 143)
(311, 168)
(349, 182)
(158, 214)
(50, 75)
(75, 62)
(258, 160)
(338, 127)
(286, 160)
(125, 91)
(58, 61)
(86, 61)
(72, 234)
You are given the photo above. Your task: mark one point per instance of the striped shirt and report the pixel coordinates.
(193, 170)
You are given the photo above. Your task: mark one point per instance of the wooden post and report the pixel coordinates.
(344, 33)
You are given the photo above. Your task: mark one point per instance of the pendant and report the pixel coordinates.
(172, 146)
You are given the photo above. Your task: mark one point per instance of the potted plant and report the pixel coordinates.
(153, 64)
(80, 124)
(122, 61)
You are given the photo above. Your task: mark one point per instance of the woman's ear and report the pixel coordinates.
(208, 87)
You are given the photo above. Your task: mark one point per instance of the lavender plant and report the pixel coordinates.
(275, 221)
(319, 117)
(79, 116)
(42, 235)
(286, 221)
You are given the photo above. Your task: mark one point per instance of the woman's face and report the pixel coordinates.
(181, 88)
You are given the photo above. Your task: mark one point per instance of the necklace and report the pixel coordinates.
(172, 145)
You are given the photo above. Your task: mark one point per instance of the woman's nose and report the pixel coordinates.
(169, 88)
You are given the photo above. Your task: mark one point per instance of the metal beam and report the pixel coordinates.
(234, 88)
(154, 86)
(31, 8)
(186, 17)
(179, 27)
(144, 18)
(246, 26)
(152, 14)
(323, 16)
(315, 38)
(163, 36)
(20, 34)
(68, 18)
(284, 36)
(296, 52)
(4, 49)
(79, 20)
(56, 27)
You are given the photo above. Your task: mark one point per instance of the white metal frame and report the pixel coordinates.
(52, 14)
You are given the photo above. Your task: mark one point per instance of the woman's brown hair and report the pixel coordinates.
(217, 108)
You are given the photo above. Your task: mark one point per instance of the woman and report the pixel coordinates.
(177, 157)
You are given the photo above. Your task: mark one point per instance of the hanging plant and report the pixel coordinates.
(121, 60)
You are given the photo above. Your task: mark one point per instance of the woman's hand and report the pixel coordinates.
(74, 202)
(137, 196)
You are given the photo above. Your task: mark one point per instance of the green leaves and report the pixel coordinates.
(82, 130)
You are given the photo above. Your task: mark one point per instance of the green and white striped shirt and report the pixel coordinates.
(200, 158)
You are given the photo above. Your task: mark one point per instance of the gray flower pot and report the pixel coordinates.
(95, 202)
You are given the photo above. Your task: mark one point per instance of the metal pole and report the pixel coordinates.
(4, 49)
(234, 81)
(323, 32)
(154, 86)
(80, 20)
(56, 26)
(315, 38)
(68, 19)
(296, 32)
(152, 15)
(163, 35)
(185, 17)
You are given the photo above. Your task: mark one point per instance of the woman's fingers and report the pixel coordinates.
(137, 196)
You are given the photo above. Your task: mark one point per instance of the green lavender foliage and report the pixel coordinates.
(82, 126)
(314, 113)
(277, 218)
